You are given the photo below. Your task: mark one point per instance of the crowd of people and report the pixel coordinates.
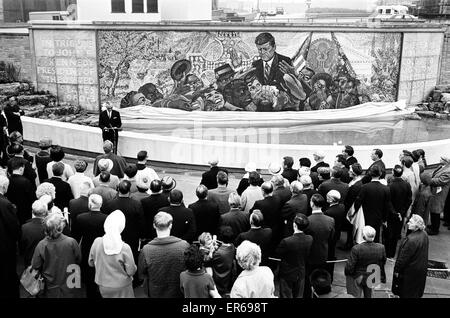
(127, 227)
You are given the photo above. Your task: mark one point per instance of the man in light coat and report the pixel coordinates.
(439, 182)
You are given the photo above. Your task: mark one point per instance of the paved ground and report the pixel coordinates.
(439, 249)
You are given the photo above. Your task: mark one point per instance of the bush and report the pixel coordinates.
(9, 73)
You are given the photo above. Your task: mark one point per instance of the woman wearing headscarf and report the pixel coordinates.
(113, 260)
(57, 258)
(410, 270)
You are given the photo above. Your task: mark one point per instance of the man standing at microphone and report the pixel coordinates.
(110, 124)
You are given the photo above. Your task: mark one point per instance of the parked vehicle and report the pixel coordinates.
(392, 13)
(49, 15)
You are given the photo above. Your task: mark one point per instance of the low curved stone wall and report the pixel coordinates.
(197, 152)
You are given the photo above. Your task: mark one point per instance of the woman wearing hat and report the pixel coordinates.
(113, 260)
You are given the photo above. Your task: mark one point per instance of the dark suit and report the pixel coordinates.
(290, 174)
(42, 158)
(345, 176)
(237, 220)
(270, 208)
(260, 236)
(28, 172)
(401, 199)
(293, 251)
(134, 224)
(151, 206)
(334, 184)
(209, 178)
(14, 121)
(183, 225)
(106, 122)
(337, 212)
(351, 160)
(297, 204)
(275, 75)
(77, 207)
(318, 165)
(206, 215)
(352, 194)
(63, 192)
(32, 234)
(283, 194)
(309, 193)
(9, 235)
(375, 199)
(380, 164)
(21, 193)
(321, 228)
(4, 139)
(89, 226)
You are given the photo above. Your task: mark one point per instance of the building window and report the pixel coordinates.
(138, 6)
(117, 6)
(152, 6)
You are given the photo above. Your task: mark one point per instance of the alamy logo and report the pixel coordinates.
(74, 278)
(374, 278)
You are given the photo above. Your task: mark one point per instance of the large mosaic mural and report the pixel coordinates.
(216, 70)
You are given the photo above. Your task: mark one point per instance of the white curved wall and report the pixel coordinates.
(197, 152)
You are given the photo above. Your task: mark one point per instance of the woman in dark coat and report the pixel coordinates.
(57, 258)
(410, 270)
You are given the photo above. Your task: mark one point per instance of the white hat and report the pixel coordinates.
(105, 164)
(304, 171)
(250, 167)
(275, 168)
(143, 181)
(213, 162)
(319, 153)
(334, 194)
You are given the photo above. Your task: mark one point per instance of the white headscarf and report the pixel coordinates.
(114, 225)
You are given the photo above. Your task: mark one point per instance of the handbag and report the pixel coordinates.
(32, 281)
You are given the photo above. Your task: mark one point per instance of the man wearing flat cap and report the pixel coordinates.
(439, 182)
